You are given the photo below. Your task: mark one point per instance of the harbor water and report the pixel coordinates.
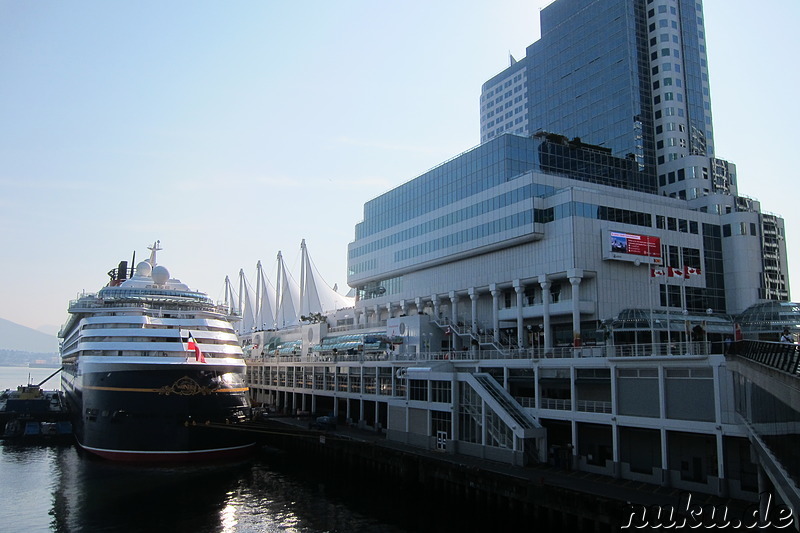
(50, 487)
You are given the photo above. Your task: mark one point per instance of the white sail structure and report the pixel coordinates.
(288, 297)
(287, 302)
(266, 299)
(315, 295)
(248, 323)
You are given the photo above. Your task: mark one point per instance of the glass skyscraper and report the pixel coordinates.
(628, 75)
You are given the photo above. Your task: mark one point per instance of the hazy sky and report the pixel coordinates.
(232, 130)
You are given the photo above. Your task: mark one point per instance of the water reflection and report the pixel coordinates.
(58, 488)
(94, 495)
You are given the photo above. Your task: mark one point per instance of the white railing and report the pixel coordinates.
(560, 352)
(553, 403)
(592, 406)
(526, 401)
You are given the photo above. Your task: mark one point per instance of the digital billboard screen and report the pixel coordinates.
(630, 243)
(632, 247)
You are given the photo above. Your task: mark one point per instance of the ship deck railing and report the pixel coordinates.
(694, 349)
(165, 305)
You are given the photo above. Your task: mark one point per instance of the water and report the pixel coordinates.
(59, 488)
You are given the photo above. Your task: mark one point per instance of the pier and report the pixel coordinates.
(555, 498)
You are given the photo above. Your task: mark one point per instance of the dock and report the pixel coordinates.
(558, 498)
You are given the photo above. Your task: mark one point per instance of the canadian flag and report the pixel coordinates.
(655, 272)
(677, 272)
(691, 271)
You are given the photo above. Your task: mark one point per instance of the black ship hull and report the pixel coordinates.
(157, 412)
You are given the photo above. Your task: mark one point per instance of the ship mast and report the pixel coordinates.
(153, 249)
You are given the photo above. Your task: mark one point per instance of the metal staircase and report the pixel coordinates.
(485, 341)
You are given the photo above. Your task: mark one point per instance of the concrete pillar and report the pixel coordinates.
(454, 307)
(617, 473)
(665, 482)
(662, 411)
(576, 310)
(545, 285)
(473, 297)
(435, 300)
(454, 319)
(495, 312)
(519, 289)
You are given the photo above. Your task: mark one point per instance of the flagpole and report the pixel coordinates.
(650, 301)
(669, 326)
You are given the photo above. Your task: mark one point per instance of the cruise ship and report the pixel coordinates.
(148, 363)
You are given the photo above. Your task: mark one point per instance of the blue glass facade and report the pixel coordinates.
(488, 165)
(580, 85)
(477, 170)
(694, 62)
(628, 75)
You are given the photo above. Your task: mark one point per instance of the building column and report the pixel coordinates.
(454, 320)
(575, 281)
(403, 307)
(473, 297)
(454, 305)
(665, 474)
(519, 289)
(495, 312)
(377, 313)
(419, 303)
(545, 285)
(435, 300)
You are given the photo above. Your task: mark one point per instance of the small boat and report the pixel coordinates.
(29, 411)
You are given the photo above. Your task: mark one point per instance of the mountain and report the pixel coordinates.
(49, 329)
(17, 337)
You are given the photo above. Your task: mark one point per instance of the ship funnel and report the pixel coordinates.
(122, 271)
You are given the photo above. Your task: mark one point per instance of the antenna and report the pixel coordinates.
(153, 249)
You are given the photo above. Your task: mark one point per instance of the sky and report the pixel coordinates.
(230, 131)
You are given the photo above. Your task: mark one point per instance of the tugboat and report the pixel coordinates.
(149, 366)
(31, 412)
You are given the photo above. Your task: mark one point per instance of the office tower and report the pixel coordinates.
(632, 76)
